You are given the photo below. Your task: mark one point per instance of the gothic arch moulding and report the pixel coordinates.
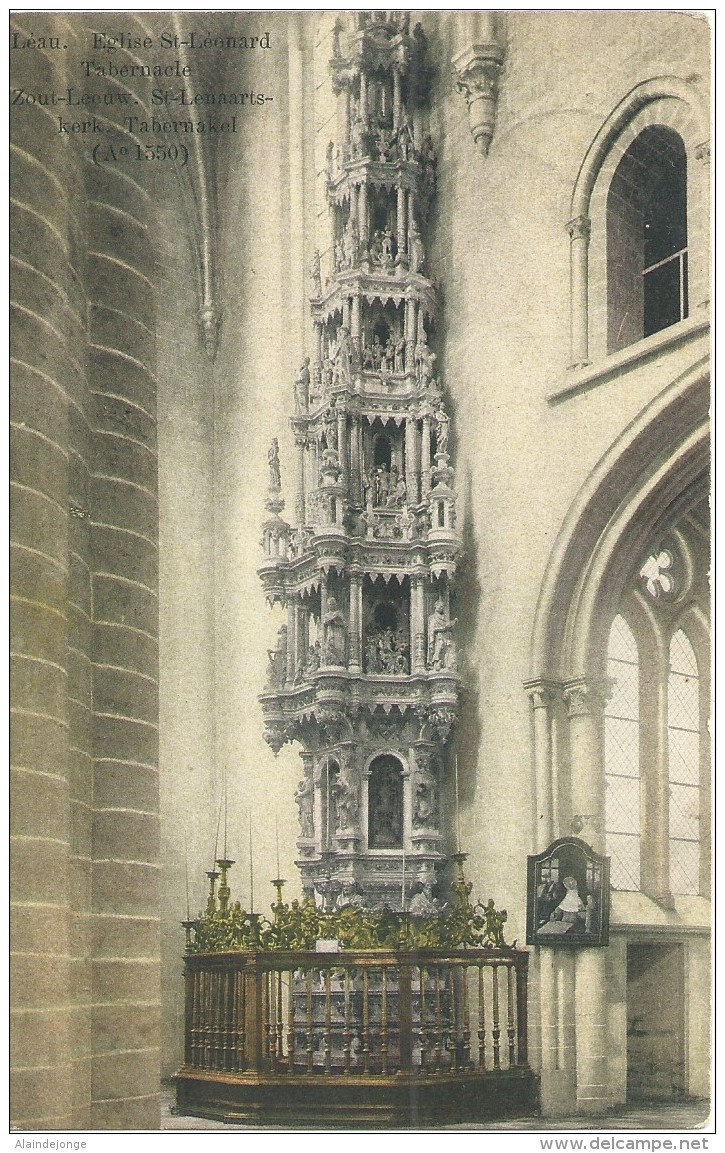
(669, 101)
(656, 469)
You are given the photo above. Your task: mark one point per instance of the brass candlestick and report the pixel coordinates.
(461, 887)
(224, 891)
(211, 900)
(278, 883)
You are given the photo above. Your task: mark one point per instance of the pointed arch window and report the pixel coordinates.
(683, 740)
(622, 778)
(647, 269)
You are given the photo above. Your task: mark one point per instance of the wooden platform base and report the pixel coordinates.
(335, 1102)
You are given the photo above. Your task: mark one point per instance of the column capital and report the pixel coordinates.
(542, 693)
(585, 697)
(579, 228)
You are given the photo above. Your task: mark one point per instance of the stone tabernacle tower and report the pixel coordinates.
(364, 674)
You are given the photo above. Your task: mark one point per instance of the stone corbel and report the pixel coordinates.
(477, 70)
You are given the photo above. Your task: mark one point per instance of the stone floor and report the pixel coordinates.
(682, 1116)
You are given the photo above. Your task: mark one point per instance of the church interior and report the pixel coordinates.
(360, 550)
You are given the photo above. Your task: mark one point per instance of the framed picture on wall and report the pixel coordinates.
(567, 896)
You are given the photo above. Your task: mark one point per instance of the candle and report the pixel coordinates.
(276, 838)
(458, 810)
(251, 867)
(216, 839)
(225, 813)
(186, 856)
(402, 887)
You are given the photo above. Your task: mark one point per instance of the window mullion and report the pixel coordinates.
(655, 783)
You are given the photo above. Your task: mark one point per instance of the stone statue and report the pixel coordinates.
(316, 273)
(334, 633)
(371, 649)
(425, 802)
(343, 355)
(350, 241)
(312, 662)
(416, 254)
(331, 428)
(421, 902)
(302, 386)
(367, 489)
(303, 798)
(400, 355)
(275, 479)
(346, 796)
(357, 137)
(327, 374)
(405, 141)
(424, 360)
(350, 897)
(277, 671)
(442, 428)
(441, 648)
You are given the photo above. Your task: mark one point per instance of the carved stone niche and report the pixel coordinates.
(477, 70)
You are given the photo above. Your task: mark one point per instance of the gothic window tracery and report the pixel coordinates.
(622, 780)
(683, 747)
(655, 761)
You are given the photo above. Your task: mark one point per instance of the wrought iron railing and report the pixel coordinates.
(367, 1013)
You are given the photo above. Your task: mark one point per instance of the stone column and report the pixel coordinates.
(355, 478)
(411, 462)
(49, 889)
(579, 230)
(425, 457)
(346, 97)
(323, 610)
(402, 236)
(364, 96)
(362, 220)
(355, 627)
(585, 702)
(356, 329)
(347, 313)
(417, 622)
(291, 639)
(542, 695)
(302, 635)
(411, 329)
(300, 501)
(342, 443)
(396, 97)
